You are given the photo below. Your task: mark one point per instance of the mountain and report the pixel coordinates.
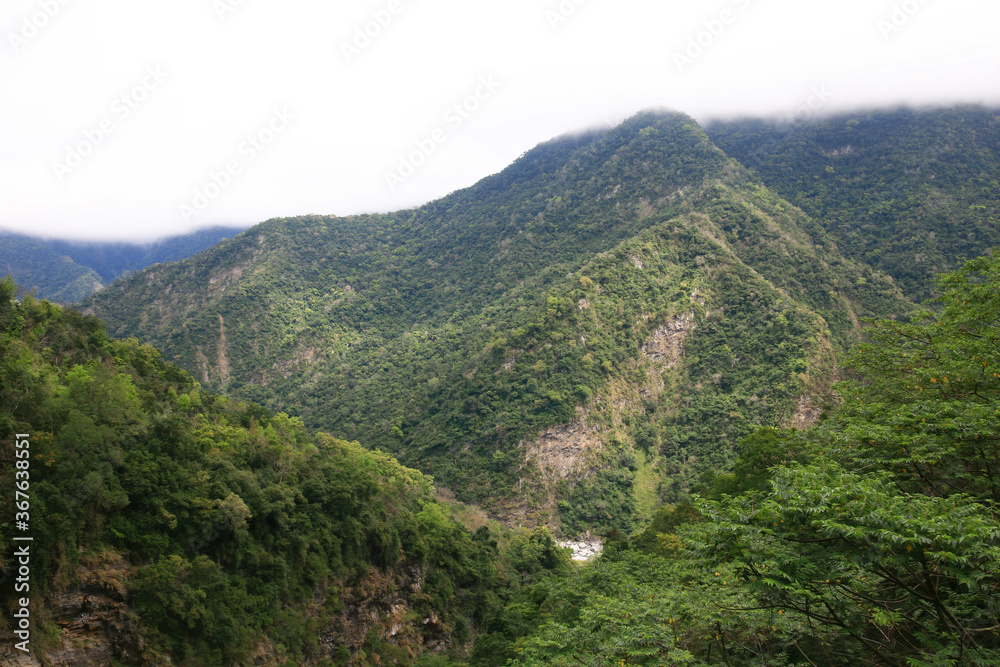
(566, 342)
(36, 266)
(67, 271)
(173, 527)
(111, 260)
(574, 365)
(910, 192)
(871, 539)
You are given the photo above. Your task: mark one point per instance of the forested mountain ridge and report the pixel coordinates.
(910, 192)
(592, 325)
(112, 259)
(597, 369)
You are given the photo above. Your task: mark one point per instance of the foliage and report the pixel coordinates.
(820, 547)
(889, 533)
(927, 407)
(48, 273)
(111, 259)
(635, 282)
(894, 572)
(232, 522)
(638, 609)
(912, 193)
(69, 271)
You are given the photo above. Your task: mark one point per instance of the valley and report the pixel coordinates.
(703, 357)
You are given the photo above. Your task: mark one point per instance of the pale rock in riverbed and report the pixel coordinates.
(585, 547)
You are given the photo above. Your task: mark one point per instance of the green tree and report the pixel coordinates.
(890, 534)
(927, 405)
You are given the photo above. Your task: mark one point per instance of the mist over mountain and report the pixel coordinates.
(67, 271)
(35, 265)
(911, 192)
(111, 260)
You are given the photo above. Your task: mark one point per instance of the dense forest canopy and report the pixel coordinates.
(872, 539)
(911, 192)
(206, 529)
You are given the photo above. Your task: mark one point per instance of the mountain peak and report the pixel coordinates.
(458, 334)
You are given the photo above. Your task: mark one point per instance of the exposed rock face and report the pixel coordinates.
(223, 365)
(97, 626)
(511, 359)
(666, 345)
(568, 453)
(806, 413)
(381, 603)
(14, 658)
(96, 630)
(818, 392)
(585, 547)
(562, 450)
(561, 453)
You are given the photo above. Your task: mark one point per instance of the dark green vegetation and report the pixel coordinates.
(208, 530)
(69, 271)
(635, 281)
(912, 193)
(215, 531)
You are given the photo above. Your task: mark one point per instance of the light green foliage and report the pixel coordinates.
(822, 547)
(659, 537)
(889, 535)
(455, 333)
(929, 407)
(637, 609)
(534, 553)
(890, 570)
(757, 454)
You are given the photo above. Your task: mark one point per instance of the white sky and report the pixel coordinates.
(114, 113)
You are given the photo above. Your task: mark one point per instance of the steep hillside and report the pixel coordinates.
(566, 341)
(912, 192)
(174, 527)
